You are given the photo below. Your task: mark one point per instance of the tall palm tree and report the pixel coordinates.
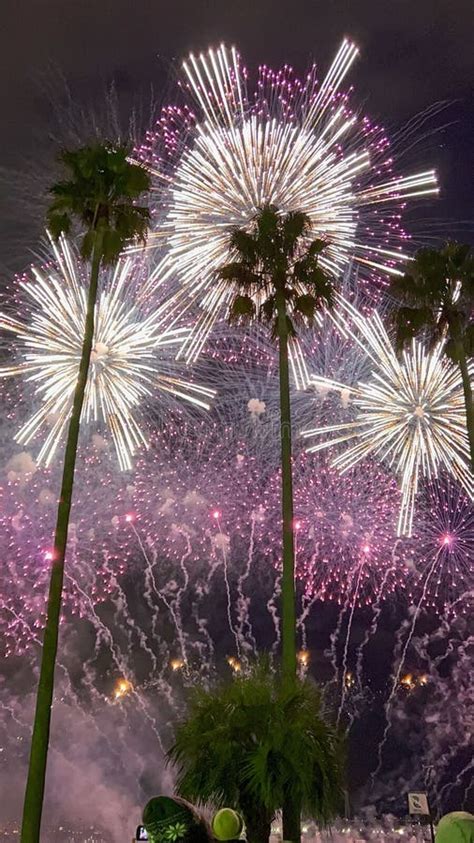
(436, 299)
(275, 277)
(98, 197)
(254, 745)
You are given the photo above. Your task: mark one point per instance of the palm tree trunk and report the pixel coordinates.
(291, 813)
(288, 579)
(291, 820)
(33, 804)
(467, 387)
(258, 824)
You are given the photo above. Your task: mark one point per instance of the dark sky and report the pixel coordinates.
(414, 53)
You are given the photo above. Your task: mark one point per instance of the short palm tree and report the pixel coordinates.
(99, 199)
(254, 744)
(436, 299)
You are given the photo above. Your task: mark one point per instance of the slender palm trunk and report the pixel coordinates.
(291, 812)
(288, 578)
(33, 804)
(467, 387)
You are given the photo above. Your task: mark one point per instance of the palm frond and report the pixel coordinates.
(251, 742)
(242, 308)
(100, 193)
(274, 257)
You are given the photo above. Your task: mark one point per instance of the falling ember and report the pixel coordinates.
(234, 663)
(122, 688)
(295, 144)
(349, 679)
(176, 664)
(303, 657)
(407, 682)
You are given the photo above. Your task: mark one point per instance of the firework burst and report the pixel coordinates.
(295, 144)
(345, 530)
(444, 531)
(410, 413)
(132, 356)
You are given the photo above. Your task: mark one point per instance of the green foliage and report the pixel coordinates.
(252, 744)
(277, 256)
(242, 307)
(435, 299)
(100, 195)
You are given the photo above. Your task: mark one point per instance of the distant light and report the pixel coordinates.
(234, 664)
(122, 688)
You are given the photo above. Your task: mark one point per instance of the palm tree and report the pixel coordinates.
(255, 745)
(436, 298)
(275, 277)
(99, 197)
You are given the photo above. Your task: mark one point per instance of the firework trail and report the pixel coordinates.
(151, 587)
(376, 612)
(243, 602)
(221, 541)
(346, 644)
(401, 663)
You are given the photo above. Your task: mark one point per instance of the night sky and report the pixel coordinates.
(413, 54)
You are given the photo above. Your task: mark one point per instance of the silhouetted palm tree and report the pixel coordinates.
(436, 299)
(99, 198)
(254, 745)
(276, 278)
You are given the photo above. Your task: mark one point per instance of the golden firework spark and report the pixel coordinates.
(133, 354)
(122, 688)
(295, 145)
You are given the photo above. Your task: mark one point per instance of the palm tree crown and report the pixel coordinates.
(436, 299)
(252, 744)
(100, 194)
(276, 257)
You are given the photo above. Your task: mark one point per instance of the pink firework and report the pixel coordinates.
(346, 532)
(444, 540)
(97, 555)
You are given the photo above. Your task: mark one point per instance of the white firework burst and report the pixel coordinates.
(132, 357)
(295, 145)
(410, 412)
